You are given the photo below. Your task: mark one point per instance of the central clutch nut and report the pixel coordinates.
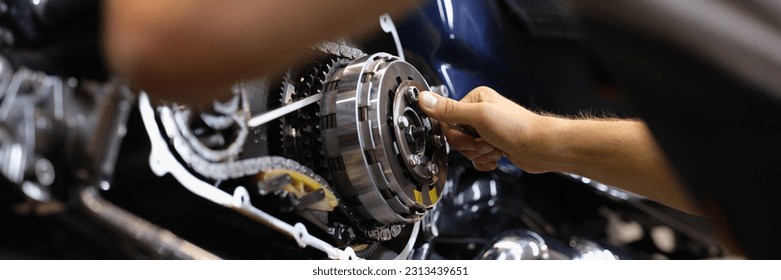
(411, 94)
(376, 141)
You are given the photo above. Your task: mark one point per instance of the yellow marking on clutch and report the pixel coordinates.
(432, 194)
(418, 196)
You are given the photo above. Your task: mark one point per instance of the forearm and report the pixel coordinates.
(186, 50)
(621, 153)
(616, 152)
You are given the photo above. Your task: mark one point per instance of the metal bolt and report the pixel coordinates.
(411, 94)
(433, 169)
(414, 160)
(403, 122)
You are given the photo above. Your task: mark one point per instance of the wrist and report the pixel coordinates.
(552, 143)
(541, 145)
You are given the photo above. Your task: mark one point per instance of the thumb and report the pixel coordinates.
(447, 110)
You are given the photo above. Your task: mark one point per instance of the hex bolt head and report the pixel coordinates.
(403, 122)
(414, 160)
(433, 169)
(411, 94)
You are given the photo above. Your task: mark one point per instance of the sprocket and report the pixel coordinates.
(298, 135)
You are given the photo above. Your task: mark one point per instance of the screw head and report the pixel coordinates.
(433, 169)
(414, 160)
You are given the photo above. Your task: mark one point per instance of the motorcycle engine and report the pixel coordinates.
(347, 148)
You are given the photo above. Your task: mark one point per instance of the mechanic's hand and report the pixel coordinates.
(505, 128)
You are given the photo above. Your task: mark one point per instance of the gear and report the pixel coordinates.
(298, 135)
(366, 251)
(300, 130)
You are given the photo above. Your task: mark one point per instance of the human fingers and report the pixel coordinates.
(483, 154)
(489, 157)
(470, 147)
(448, 110)
(480, 94)
(458, 140)
(485, 166)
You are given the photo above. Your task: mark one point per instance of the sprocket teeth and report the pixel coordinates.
(305, 145)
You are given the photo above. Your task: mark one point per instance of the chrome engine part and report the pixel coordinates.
(387, 158)
(59, 144)
(519, 245)
(529, 245)
(45, 119)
